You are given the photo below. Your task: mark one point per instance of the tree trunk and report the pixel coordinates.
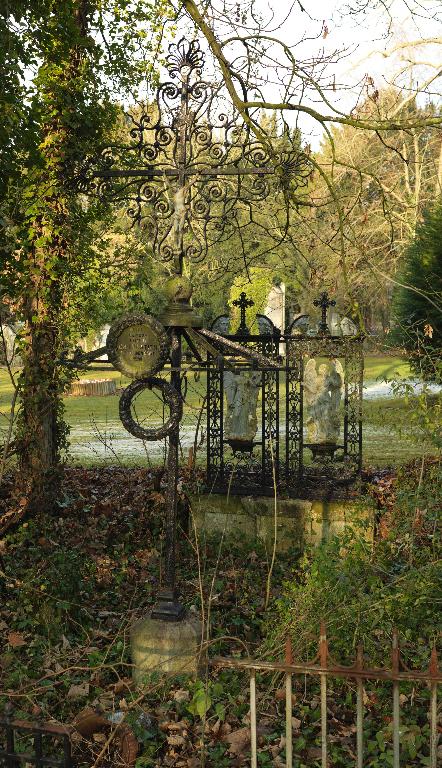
(50, 237)
(38, 444)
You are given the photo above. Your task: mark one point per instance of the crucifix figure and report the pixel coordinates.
(324, 302)
(243, 303)
(183, 176)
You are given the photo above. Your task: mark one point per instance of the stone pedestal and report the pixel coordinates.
(165, 647)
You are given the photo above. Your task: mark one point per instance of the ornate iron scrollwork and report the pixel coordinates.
(192, 173)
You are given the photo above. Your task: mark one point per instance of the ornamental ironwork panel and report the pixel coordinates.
(323, 467)
(294, 374)
(215, 402)
(249, 465)
(270, 417)
(309, 439)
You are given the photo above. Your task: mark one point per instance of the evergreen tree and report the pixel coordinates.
(418, 304)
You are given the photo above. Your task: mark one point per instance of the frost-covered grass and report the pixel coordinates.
(98, 436)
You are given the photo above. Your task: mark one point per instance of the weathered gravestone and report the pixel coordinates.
(275, 309)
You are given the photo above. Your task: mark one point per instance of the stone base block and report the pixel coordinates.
(298, 522)
(165, 647)
(289, 532)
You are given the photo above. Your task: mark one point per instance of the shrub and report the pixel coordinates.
(417, 308)
(363, 588)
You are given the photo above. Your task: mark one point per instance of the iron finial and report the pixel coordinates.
(243, 303)
(324, 302)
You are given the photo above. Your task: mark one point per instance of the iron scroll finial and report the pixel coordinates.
(185, 55)
(243, 303)
(324, 302)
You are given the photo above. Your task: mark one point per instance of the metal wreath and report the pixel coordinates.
(171, 397)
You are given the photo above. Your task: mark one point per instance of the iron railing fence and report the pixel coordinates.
(324, 667)
(36, 744)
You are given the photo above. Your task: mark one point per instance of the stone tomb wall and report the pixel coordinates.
(299, 523)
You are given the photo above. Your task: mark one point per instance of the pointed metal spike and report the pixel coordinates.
(434, 662)
(288, 650)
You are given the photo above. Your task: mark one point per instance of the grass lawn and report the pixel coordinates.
(97, 435)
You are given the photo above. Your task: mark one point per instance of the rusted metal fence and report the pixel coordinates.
(34, 744)
(324, 667)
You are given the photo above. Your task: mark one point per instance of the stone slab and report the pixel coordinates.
(220, 522)
(299, 522)
(165, 647)
(330, 518)
(289, 532)
(265, 506)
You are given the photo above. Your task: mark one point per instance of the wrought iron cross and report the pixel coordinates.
(243, 303)
(324, 302)
(188, 166)
(183, 175)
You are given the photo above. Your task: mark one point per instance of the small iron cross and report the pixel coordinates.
(243, 302)
(324, 302)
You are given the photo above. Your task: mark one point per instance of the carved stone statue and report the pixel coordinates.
(348, 327)
(221, 325)
(322, 396)
(241, 422)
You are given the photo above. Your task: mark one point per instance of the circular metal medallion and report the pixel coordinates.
(138, 345)
(171, 398)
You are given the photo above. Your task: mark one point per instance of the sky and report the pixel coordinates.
(365, 40)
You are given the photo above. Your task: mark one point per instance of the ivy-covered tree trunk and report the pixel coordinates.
(50, 232)
(53, 242)
(41, 415)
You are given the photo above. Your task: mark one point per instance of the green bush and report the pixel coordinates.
(363, 587)
(417, 309)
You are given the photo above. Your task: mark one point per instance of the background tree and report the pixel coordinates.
(53, 240)
(418, 301)
(64, 59)
(264, 70)
(383, 182)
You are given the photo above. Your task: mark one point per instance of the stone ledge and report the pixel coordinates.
(299, 522)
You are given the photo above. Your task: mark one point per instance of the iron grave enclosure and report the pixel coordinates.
(185, 173)
(280, 454)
